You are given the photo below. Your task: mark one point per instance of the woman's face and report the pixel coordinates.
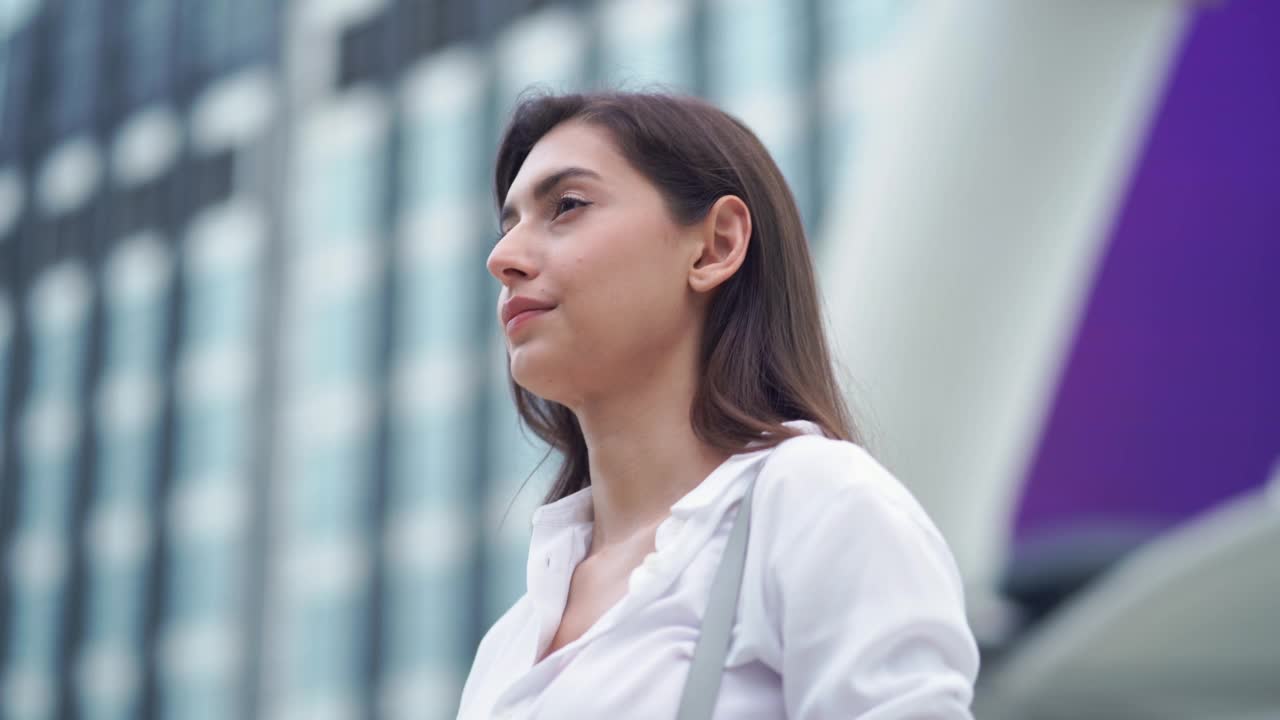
(589, 238)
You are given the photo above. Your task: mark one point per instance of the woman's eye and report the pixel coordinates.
(567, 203)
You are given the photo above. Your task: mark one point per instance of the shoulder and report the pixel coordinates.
(854, 596)
(810, 476)
(834, 465)
(826, 513)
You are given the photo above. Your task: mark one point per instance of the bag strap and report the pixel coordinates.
(702, 686)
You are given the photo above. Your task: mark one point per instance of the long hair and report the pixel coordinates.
(764, 357)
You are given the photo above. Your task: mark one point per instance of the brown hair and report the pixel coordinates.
(764, 354)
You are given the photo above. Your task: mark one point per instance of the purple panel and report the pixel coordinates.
(1170, 401)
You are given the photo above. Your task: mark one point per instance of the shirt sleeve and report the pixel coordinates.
(867, 601)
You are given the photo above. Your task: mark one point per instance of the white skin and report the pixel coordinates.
(620, 349)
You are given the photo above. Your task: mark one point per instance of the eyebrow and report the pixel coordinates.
(544, 187)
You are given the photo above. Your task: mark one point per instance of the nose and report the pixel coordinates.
(511, 260)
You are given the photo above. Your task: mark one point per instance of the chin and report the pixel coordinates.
(535, 372)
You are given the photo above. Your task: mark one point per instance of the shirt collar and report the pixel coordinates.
(568, 510)
(576, 508)
(722, 478)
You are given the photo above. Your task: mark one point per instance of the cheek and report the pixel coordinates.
(624, 306)
(630, 298)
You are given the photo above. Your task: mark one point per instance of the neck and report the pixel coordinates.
(643, 454)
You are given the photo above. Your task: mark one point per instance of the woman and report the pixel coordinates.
(664, 335)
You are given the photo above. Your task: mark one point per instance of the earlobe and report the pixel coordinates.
(725, 235)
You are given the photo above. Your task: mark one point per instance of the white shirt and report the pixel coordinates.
(851, 604)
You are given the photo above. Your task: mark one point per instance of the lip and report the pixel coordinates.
(520, 319)
(520, 309)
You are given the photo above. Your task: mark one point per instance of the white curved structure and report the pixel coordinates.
(961, 254)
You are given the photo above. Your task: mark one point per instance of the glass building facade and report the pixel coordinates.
(259, 453)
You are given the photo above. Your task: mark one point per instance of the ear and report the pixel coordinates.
(724, 234)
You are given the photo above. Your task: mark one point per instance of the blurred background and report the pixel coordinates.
(259, 458)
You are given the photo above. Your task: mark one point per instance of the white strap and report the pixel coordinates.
(703, 683)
